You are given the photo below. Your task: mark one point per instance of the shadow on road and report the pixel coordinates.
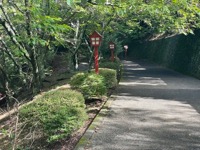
(150, 80)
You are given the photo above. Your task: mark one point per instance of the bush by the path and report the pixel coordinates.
(110, 77)
(56, 114)
(116, 65)
(89, 84)
(78, 79)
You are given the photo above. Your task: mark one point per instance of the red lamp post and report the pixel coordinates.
(95, 40)
(112, 47)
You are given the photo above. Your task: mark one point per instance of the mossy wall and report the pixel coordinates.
(181, 53)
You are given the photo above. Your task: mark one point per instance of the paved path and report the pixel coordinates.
(155, 109)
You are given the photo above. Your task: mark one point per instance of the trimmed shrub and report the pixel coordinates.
(110, 77)
(109, 64)
(78, 79)
(116, 65)
(90, 84)
(93, 86)
(57, 113)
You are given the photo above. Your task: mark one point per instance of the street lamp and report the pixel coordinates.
(95, 40)
(112, 47)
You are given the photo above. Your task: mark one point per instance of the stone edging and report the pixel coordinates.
(85, 139)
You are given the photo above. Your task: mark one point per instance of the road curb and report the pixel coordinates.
(94, 126)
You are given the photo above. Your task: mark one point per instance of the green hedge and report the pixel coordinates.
(57, 113)
(78, 79)
(116, 65)
(110, 77)
(89, 84)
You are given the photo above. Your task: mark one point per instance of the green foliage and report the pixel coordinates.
(89, 84)
(104, 48)
(77, 79)
(109, 64)
(116, 65)
(110, 76)
(151, 19)
(35, 32)
(93, 86)
(56, 113)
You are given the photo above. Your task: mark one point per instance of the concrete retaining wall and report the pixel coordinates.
(181, 53)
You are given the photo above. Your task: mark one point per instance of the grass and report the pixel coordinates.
(53, 116)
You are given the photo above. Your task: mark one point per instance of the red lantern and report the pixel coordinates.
(95, 40)
(112, 47)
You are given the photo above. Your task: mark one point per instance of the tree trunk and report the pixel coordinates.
(32, 51)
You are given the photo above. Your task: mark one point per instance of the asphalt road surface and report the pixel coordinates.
(155, 109)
